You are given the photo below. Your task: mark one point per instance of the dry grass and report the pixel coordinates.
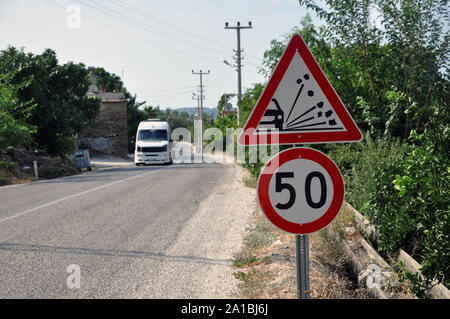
(13, 176)
(12, 164)
(250, 181)
(266, 267)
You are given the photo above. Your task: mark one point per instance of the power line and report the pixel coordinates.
(151, 29)
(168, 24)
(211, 13)
(139, 25)
(142, 38)
(163, 95)
(165, 23)
(183, 88)
(235, 13)
(144, 26)
(215, 14)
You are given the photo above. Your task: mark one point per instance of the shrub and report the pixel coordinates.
(368, 169)
(13, 132)
(404, 189)
(423, 194)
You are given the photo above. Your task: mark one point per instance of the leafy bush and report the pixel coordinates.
(404, 189)
(13, 132)
(369, 168)
(254, 168)
(57, 92)
(424, 195)
(394, 83)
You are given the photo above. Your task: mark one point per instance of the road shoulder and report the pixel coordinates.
(209, 240)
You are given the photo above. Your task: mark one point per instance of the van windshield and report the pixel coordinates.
(152, 135)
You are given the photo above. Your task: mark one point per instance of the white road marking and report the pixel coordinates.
(76, 195)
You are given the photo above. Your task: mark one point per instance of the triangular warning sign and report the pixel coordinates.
(299, 105)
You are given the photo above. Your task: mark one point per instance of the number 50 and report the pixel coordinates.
(280, 186)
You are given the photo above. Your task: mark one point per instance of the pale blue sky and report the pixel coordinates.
(156, 44)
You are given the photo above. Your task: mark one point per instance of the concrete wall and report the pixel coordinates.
(109, 134)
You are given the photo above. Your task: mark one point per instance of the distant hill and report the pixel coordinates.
(193, 110)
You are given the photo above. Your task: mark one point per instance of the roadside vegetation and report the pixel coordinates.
(138, 111)
(44, 104)
(266, 266)
(389, 63)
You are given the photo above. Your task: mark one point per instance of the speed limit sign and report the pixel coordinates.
(300, 190)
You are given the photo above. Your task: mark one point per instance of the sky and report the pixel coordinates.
(154, 45)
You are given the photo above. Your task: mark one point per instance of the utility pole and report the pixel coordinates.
(201, 97)
(196, 121)
(196, 97)
(238, 28)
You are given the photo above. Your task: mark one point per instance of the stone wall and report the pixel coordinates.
(109, 134)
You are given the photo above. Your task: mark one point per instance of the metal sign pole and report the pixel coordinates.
(302, 250)
(305, 239)
(299, 266)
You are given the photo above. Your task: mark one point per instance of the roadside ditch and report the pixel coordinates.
(341, 267)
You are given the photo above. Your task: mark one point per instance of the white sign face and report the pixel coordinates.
(299, 105)
(301, 191)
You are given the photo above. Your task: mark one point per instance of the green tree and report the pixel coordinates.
(13, 132)
(249, 99)
(134, 116)
(62, 107)
(313, 38)
(109, 81)
(399, 53)
(423, 195)
(222, 104)
(396, 55)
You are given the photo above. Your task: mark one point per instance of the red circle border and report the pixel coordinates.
(286, 156)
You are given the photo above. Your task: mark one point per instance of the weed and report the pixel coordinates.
(243, 260)
(260, 236)
(253, 283)
(250, 181)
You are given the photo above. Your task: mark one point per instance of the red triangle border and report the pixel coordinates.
(351, 133)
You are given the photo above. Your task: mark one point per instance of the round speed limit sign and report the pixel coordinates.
(300, 190)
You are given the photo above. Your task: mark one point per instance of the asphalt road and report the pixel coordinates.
(117, 225)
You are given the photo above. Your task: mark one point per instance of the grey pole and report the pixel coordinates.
(36, 171)
(239, 73)
(238, 28)
(201, 113)
(302, 252)
(196, 132)
(307, 287)
(201, 73)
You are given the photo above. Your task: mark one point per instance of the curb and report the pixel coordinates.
(438, 291)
